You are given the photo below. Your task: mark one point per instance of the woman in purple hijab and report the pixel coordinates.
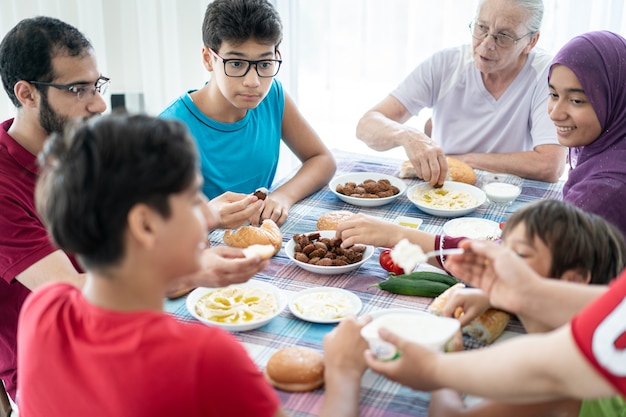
(587, 104)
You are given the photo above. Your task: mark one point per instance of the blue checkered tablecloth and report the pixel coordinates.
(379, 397)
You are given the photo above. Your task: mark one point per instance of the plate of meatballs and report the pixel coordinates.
(320, 252)
(367, 189)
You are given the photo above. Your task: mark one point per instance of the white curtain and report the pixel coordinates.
(340, 57)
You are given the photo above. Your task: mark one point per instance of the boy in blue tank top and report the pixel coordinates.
(239, 117)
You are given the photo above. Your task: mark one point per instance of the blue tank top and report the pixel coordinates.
(240, 156)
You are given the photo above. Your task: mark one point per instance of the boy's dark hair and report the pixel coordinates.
(579, 241)
(95, 172)
(27, 50)
(237, 21)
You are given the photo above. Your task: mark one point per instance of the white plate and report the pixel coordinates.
(475, 192)
(359, 177)
(331, 292)
(196, 294)
(327, 270)
(472, 227)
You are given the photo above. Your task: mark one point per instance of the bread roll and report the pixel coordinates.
(267, 234)
(488, 326)
(330, 220)
(458, 171)
(485, 328)
(295, 369)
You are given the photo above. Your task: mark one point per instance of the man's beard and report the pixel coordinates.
(51, 121)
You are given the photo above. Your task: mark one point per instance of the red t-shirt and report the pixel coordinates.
(77, 359)
(600, 333)
(23, 241)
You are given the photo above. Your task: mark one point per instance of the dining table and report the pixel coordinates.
(379, 396)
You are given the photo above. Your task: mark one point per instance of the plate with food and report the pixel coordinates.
(324, 304)
(472, 228)
(325, 255)
(367, 189)
(237, 308)
(453, 199)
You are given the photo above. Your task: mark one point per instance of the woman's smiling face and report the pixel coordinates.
(570, 109)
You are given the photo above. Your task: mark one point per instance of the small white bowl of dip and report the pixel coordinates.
(416, 326)
(472, 228)
(501, 188)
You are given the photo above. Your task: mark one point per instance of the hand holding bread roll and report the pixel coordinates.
(485, 328)
(266, 234)
(458, 171)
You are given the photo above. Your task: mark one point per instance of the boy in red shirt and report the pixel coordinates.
(124, 194)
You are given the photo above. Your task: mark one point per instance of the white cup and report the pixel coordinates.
(502, 188)
(416, 326)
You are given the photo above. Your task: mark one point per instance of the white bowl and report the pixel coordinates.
(472, 228)
(198, 293)
(327, 270)
(475, 192)
(324, 304)
(359, 177)
(501, 188)
(416, 326)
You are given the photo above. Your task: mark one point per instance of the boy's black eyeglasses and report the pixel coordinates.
(81, 90)
(237, 67)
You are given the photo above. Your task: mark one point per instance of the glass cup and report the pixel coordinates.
(501, 189)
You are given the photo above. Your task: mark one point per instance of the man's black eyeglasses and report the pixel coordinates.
(80, 90)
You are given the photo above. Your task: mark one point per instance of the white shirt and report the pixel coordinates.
(466, 117)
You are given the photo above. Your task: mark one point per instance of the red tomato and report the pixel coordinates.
(388, 264)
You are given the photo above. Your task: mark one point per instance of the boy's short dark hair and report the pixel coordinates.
(27, 50)
(237, 21)
(95, 172)
(579, 241)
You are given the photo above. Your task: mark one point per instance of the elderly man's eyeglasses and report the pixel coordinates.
(481, 32)
(81, 90)
(237, 67)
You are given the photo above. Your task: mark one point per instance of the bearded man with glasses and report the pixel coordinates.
(49, 72)
(488, 102)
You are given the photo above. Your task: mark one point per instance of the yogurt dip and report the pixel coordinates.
(324, 305)
(501, 192)
(472, 228)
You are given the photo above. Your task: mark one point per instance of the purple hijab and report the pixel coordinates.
(597, 181)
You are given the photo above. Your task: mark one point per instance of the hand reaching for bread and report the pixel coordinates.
(429, 162)
(458, 171)
(471, 307)
(460, 303)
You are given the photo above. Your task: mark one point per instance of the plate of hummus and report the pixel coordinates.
(324, 304)
(237, 308)
(454, 199)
